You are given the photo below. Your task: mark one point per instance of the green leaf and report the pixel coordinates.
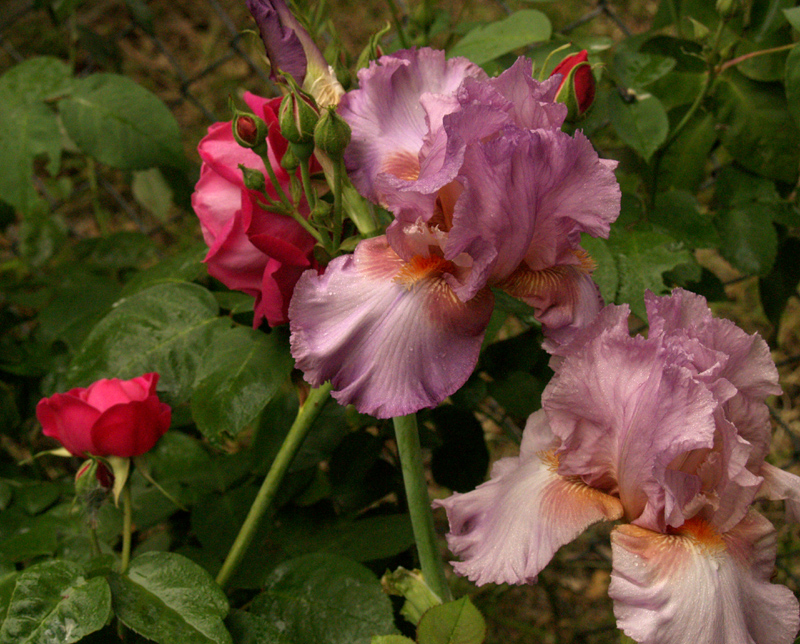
(247, 628)
(36, 79)
(153, 192)
(793, 83)
(638, 70)
(368, 539)
(79, 301)
(164, 328)
(183, 267)
(642, 124)
(487, 42)
(456, 622)
(53, 602)
(121, 124)
(325, 599)
(749, 239)
(605, 274)
(756, 127)
(684, 162)
(32, 537)
(764, 67)
(391, 639)
(642, 259)
(793, 16)
(781, 283)
(678, 214)
(167, 598)
(26, 132)
(237, 376)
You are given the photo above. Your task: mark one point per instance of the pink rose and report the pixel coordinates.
(112, 417)
(251, 249)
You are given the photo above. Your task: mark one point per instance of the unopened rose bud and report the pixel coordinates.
(249, 130)
(577, 86)
(332, 134)
(91, 475)
(297, 118)
(253, 179)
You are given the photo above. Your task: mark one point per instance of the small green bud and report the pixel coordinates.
(321, 212)
(297, 117)
(728, 8)
(302, 151)
(86, 477)
(290, 162)
(332, 134)
(253, 179)
(249, 131)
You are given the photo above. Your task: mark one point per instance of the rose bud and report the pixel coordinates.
(577, 85)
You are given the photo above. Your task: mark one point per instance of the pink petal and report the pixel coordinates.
(277, 287)
(699, 586)
(391, 337)
(623, 412)
(508, 529)
(388, 121)
(69, 420)
(737, 366)
(105, 393)
(131, 429)
(781, 486)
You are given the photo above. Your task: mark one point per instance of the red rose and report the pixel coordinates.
(112, 417)
(577, 84)
(251, 249)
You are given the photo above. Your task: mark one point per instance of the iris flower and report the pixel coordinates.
(487, 192)
(669, 434)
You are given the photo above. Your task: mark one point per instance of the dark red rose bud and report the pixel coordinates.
(577, 86)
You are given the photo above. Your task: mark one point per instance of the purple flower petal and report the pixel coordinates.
(624, 411)
(281, 34)
(701, 586)
(388, 120)
(508, 529)
(390, 335)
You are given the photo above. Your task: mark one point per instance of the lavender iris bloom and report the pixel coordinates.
(487, 192)
(668, 433)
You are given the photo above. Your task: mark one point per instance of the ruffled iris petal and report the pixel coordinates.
(508, 529)
(701, 586)
(624, 412)
(388, 122)
(390, 335)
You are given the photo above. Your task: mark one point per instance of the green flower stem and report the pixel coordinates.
(338, 186)
(274, 179)
(297, 433)
(419, 505)
(308, 190)
(127, 528)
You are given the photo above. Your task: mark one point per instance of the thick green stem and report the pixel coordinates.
(297, 434)
(127, 528)
(419, 505)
